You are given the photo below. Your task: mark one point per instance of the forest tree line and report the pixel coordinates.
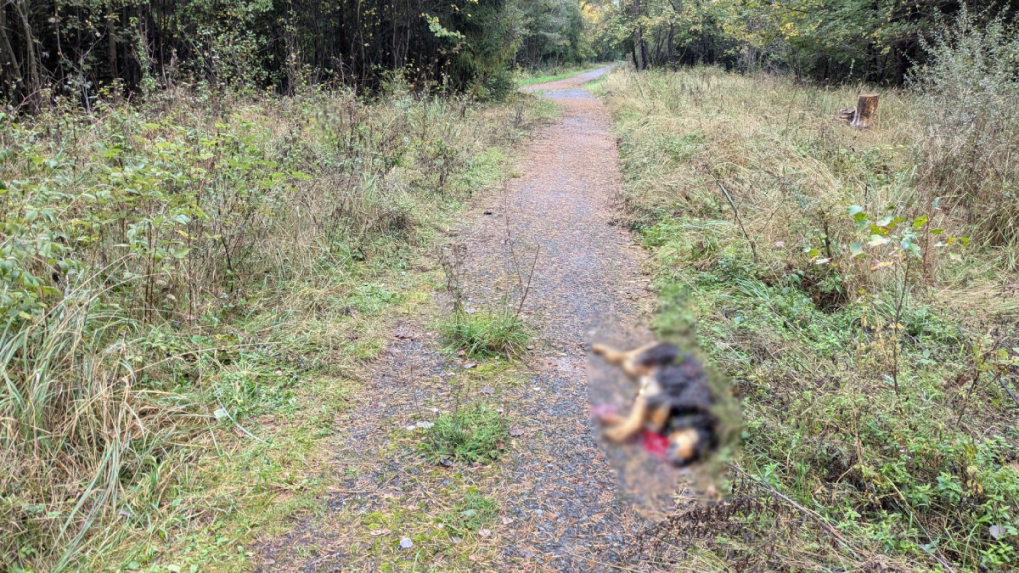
(78, 46)
(826, 40)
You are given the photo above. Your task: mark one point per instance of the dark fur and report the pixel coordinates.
(687, 395)
(660, 355)
(677, 400)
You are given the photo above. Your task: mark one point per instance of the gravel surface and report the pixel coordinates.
(561, 504)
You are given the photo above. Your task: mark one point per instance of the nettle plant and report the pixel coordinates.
(896, 252)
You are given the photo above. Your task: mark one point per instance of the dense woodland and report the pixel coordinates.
(76, 48)
(211, 211)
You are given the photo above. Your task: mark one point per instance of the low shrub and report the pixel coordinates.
(969, 108)
(141, 241)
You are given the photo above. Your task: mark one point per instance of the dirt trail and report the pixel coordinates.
(561, 508)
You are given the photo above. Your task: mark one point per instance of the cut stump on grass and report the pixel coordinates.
(864, 114)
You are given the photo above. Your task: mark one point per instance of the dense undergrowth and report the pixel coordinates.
(179, 276)
(863, 300)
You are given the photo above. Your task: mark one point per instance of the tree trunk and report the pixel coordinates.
(670, 49)
(18, 84)
(35, 84)
(111, 39)
(866, 111)
(641, 46)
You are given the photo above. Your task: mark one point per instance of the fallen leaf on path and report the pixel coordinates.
(484, 532)
(469, 365)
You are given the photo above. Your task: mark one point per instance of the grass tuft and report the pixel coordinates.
(473, 433)
(482, 335)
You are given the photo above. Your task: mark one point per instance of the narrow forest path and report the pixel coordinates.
(560, 504)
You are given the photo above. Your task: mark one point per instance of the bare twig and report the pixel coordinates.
(509, 237)
(524, 287)
(527, 288)
(1008, 391)
(897, 323)
(829, 528)
(753, 245)
(978, 363)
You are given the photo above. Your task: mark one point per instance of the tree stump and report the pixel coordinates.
(866, 111)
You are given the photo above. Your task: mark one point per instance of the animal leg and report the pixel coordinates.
(631, 426)
(622, 358)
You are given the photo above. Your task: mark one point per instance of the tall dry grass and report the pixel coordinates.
(773, 144)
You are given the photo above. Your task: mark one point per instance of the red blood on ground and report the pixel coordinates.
(656, 444)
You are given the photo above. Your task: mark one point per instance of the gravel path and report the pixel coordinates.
(587, 285)
(561, 504)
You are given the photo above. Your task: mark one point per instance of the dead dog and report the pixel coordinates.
(673, 407)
